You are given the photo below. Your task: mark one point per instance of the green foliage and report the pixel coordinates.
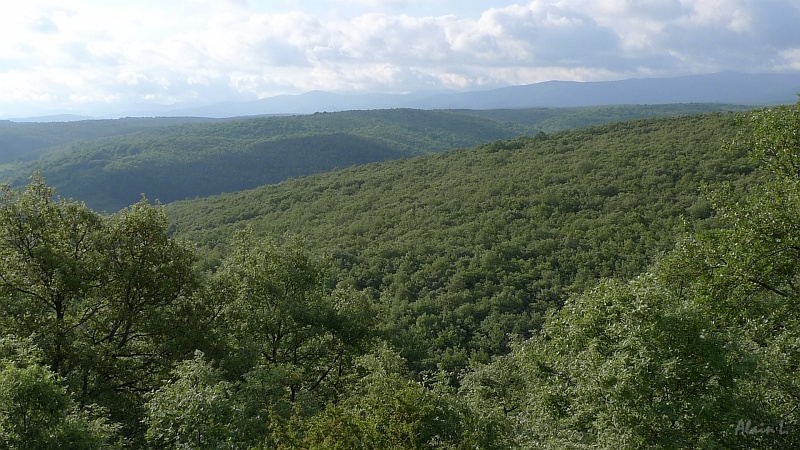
(193, 410)
(746, 274)
(462, 249)
(772, 138)
(386, 410)
(551, 120)
(109, 301)
(146, 278)
(48, 268)
(36, 412)
(191, 160)
(283, 346)
(279, 316)
(497, 393)
(97, 295)
(630, 365)
(26, 141)
(700, 352)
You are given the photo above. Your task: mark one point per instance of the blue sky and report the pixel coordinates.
(103, 57)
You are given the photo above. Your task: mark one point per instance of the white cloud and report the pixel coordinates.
(790, 59)
(95, 52)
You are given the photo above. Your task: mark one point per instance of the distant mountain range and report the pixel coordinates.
(52, 118)
(722, 87)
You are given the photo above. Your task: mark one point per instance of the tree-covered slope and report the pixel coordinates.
(700, 351)
(194, 160)
(25, 141)
(462, 248)
(109, 164)
(559, 119)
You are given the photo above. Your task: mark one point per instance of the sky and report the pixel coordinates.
(114, 56)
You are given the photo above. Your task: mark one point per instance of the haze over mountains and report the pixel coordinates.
(722, 87)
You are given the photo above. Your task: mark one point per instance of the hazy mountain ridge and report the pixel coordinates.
(52, 118)
(723, 87)
(25, 141)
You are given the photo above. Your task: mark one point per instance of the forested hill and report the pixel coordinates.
(26, 141)
(109, 164)
(465, 247)
(559, 119)
(571, 289)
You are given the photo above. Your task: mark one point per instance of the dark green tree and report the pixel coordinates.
(49, 269)
(283, 346)
(193, 410)
(280, 316)
(747, 273)
(386, 409)
(146, 280)
(36, 411)
(98, 295)
(631, 365)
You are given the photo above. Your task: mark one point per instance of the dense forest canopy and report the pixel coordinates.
(629, 285)
(466, 247)
(109, 164)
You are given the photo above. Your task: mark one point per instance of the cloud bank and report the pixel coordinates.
(93, 55)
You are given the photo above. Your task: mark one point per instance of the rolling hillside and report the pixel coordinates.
(27, 141)
(194, 160)
(465, 247)
(110, 164)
